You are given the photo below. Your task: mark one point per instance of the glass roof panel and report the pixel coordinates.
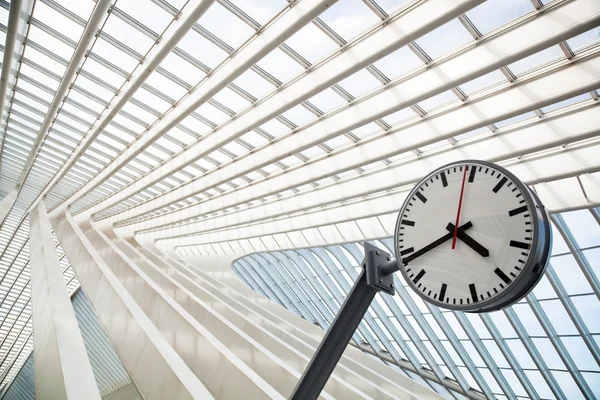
(540, 58)
(495, 13)
(444, 39)
(225, 25)
(202, 49)
(311, 43)
(359, 83)
(130, 36)
(584, 39)
(148, 13)
(349, 18)
(280, 65)
(398, 63)
(261, 10)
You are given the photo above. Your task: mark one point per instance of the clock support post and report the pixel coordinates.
(376, 276)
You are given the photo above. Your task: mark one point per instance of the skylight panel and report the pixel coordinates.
(148, 13)
(536, 60)
(338, 142)
(311, 43)
(391, 6)
(515, 119)
(82, 8)
(126, 122)
(42, 59)
(349, 18)
(400, 116)
(43, 39)
(495, 13)
(327, 100)
(165, 85)
(182, 69)
(93, 87)
(202, 49)
(226, 26)
(291, 161)
(584, 39)
(103, 73)
(85, 101)
(212, 113)
(366, 130)
(566, 103)
(438, 100)
(114, 55)
(444, 39)
(235, 149)
(359, 83)
(398, 63)
(139, 112)
(89, 118)
(57, 21)
(275, 128)
(313, 152)
(280, 65)
(482, 82)
(231, 100)
(254, 139)
(254, 84)
(299, 115)
(38, 76)
(197, 126)
(126, 33)
(151, 100)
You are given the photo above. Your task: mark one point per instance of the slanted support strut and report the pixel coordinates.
(376, 276)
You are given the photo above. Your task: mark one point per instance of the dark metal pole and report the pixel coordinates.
(345, 323)
(335, 341)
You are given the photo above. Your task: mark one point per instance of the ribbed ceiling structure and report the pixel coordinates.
(236, 126)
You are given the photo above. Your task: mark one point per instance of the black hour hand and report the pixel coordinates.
(469, 241)
(433, 245)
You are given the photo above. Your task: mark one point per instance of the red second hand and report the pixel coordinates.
(462, 190)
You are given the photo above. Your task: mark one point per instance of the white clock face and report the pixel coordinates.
(471, 265)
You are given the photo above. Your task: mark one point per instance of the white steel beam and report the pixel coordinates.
(188, 17)
(154, 366)
(62, 366)
(295, 17)
(515, 43)
(382, 40)
(538, 171)
(505, 102)
(7, 203)
(538, 135)
(19, 13)
(87, 38)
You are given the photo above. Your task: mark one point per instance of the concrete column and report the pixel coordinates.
(61, 365)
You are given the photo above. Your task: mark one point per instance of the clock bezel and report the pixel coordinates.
(532, 270)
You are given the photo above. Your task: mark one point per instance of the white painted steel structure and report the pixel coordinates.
(208, 130)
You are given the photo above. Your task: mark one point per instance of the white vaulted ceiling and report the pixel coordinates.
(243, 126)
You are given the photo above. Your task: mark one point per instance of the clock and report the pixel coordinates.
(472, 237)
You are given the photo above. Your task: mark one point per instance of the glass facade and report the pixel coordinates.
(545, 346)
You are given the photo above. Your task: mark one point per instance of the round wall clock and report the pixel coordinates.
(472, 237)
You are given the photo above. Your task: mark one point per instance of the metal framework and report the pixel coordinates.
(284, 126)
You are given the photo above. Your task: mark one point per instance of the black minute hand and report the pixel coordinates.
(435, 244)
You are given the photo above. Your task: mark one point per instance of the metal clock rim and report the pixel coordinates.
(535, 256)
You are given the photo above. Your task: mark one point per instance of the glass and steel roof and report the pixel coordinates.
(249, 126)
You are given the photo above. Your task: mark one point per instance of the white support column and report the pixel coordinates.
(62, 367)
(7, 203)
(156, 369)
